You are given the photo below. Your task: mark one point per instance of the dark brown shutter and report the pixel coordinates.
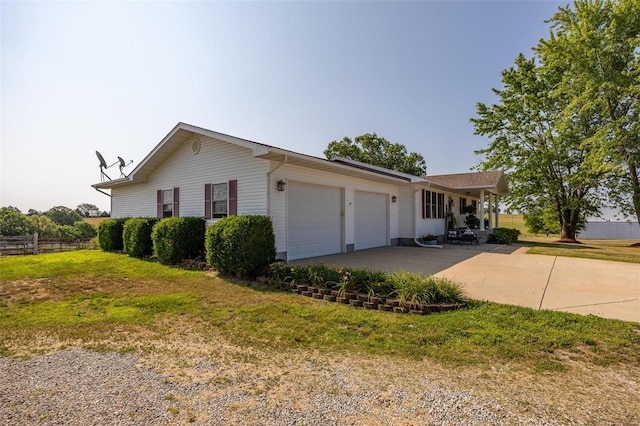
(207, 201)
(159, 205)
(233, 197)
(176, 202)
(424, 205)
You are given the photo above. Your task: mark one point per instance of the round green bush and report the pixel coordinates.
(241, 245)
(110, 234)
(503, 236)
(136, 236)
(177, 238)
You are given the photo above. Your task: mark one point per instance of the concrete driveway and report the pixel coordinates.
(506, 274)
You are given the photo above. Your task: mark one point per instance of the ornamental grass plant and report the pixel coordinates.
(410, 288)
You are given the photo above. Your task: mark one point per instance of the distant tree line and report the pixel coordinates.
(57, 222)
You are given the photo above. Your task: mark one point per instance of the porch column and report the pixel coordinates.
(490, 212)
(497, 211)
(481, 212)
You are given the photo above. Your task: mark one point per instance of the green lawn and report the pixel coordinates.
(616, 250)
(112, 302)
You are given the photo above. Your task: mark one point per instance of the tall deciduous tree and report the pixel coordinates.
(597, 46)
(13, 223)
(44, 226)
(88, 210)
(375, 150)
(63, 215)
(545, 151)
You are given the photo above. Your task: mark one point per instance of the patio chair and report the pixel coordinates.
(462, 235)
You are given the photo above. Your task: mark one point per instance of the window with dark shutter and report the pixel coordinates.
(220, 199)
(168, 203)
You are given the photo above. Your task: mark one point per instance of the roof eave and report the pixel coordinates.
(327, 165)
(112, 183)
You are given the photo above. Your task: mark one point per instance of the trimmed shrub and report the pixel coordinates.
(503, 236)
(241, 245)
(110, 234)
(136, 236)
(177, 238)
(84, 229)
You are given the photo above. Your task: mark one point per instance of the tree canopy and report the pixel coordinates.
(597, 46)
(63, 215)
(566, 123)
(14, 223)
(88, 210)
(376, 150)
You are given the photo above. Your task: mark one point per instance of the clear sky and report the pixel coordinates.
(116, 77)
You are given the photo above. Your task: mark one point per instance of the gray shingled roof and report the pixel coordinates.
(492, 180)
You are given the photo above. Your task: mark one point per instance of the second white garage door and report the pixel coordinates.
(371, 220)
(314, 223)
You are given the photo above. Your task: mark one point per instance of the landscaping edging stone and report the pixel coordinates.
(196, 265)
(360, 300)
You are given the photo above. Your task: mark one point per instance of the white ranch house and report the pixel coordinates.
(317, 206)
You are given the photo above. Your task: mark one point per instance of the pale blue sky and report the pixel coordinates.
(77, 77)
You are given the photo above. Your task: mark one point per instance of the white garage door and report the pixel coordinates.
(371, 220)
(314, 225)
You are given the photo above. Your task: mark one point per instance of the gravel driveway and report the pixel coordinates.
(79, 387)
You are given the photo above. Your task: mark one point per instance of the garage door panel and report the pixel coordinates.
(314, 220)
(371, 220)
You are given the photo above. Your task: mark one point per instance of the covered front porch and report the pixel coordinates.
(483, 188)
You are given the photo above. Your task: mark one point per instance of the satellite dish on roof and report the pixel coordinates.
(103, 164)
(122, 165)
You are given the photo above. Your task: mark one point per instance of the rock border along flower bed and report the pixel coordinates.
(396, 292)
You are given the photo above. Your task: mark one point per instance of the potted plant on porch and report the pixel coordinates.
(471, 220)
(430, 239)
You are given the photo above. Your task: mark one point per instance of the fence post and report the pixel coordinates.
(35, 243)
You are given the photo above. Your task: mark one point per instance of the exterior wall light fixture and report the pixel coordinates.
(280, 185)
(394, 199)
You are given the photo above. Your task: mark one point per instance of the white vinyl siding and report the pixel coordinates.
(371, 220)
(216, 162)
(406, 205)
(314, 222)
